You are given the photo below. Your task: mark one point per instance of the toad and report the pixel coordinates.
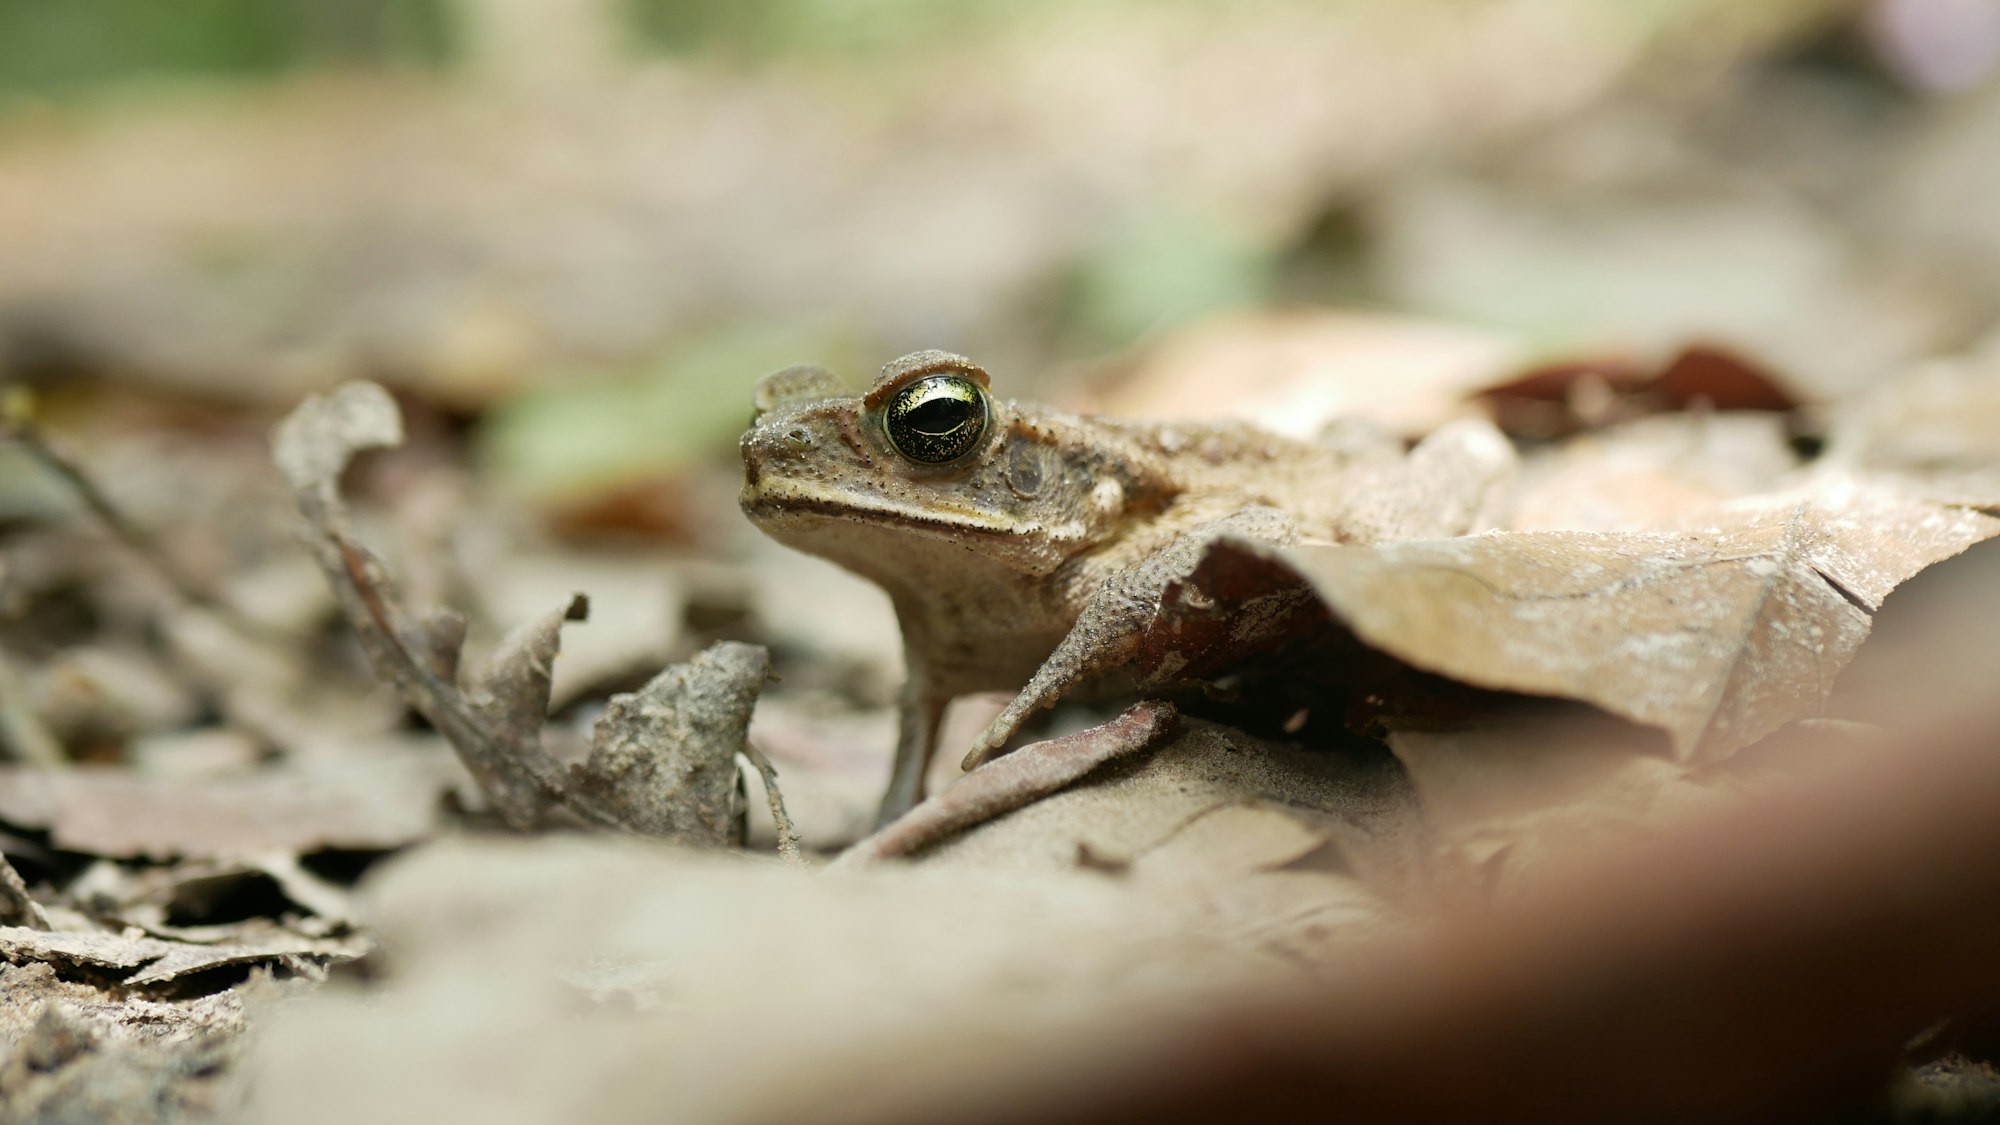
(1024, 545)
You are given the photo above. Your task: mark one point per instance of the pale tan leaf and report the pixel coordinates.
(1134, 815)
(1936, 428)
(1651, 473)
(1717, 636)
(1296, 372)
(373, 803)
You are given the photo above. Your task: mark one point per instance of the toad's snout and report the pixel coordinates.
(792, 448)
(784, 448)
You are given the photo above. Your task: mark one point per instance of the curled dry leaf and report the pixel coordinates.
(508, 694)
(662, 760)
(312, 445)
(512, 582)
(1717, 636)
(198, 900)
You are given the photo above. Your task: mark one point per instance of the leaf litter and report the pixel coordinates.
(1717, 609)
(1717, 606)
(1648, 635)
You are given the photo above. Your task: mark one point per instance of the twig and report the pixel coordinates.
(788, 835)
(17, 425)
(16, 902)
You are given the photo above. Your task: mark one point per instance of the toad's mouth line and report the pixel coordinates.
(769, 499)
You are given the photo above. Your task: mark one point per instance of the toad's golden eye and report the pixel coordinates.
(937, 419)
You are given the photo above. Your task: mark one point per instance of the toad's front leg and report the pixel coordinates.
(919, 713)
(1112, 623)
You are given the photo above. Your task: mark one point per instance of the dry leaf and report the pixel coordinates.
(613, 649)
(1506, 796)
(367, 803)
(1561, 399)
(1118, 816)
(1753, 963)
(1937, 428)
(200, 900)
(1651, 474)
(722, 981)
(312, 445)
(137, 961)
(1717, 637)
(1297, 372)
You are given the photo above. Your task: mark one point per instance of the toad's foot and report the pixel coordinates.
(1032, 772)
(1106, 635)
(1112, 623)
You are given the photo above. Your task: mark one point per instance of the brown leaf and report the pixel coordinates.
(199, 900)
(1723, 380)
(1717, 636)
(1557, 400)
(643, 631)
(1502, 797)
(700, 958)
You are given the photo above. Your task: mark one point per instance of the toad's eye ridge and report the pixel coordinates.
(937, 419)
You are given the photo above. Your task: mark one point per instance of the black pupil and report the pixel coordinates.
(939, 416)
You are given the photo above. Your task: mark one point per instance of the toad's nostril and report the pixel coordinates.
(799, 436)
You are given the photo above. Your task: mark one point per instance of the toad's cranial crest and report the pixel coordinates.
(1023, 545)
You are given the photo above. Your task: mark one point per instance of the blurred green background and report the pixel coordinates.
(587, 226)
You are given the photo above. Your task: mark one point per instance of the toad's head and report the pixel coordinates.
(923, 473)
